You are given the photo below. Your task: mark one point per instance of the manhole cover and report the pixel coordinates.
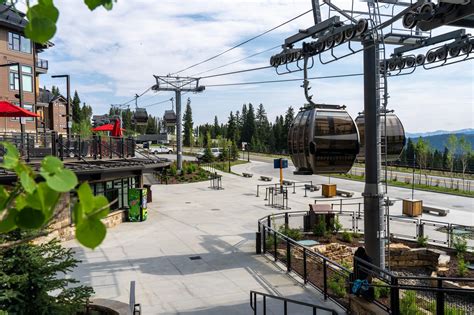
(195, 257)
(308, 242)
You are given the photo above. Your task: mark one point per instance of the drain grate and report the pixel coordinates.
(195, 257)
(215, 209)
(187, 202)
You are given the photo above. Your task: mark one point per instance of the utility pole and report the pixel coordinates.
(178, 85)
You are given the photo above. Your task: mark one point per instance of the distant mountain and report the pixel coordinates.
(439, 141)
(468, 131)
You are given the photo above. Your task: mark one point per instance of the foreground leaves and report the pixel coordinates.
(56, 176)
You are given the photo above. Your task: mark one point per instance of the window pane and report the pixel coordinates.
(27, 83)
(10, 40)
(26, 69)
(25, 45)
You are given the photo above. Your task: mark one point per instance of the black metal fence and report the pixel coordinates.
(277, 197)
(403, 294)
(37, 146)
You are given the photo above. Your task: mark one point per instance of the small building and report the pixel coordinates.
(52, 110)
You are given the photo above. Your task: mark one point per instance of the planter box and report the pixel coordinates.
(329, 190)
(412, 207)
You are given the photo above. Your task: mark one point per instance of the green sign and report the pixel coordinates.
(137, 204)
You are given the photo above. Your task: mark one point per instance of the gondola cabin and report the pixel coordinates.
(169, 118)
(395, 136)
(323, 141)
(140, 117)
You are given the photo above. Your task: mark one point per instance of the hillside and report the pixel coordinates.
(439, 141)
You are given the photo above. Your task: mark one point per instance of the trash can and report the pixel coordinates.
(148, 193)
(137, 202)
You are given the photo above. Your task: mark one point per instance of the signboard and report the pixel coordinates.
(244, 146)
(276, 163)
(137, 204)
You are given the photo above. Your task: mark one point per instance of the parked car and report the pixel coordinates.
(216, 152)
(161, 149)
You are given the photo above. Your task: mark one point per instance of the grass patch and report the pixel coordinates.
(224, 166)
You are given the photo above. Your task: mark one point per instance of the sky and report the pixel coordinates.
(112, 55)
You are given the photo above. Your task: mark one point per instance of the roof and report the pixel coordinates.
(169, 115)
(45, 96)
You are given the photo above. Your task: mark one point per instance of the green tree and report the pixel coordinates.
(208, 156)
(452, 146)
(32, 278)
(422, 150)
(234, 151)
(151, 126)
(465, 153)
(215, 128)
(437, 160)
(231, 128)
(249, 126)
(410, 152)
(76, 108)
(188, 125)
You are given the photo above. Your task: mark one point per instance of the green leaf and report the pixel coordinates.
(4, 194)
(51, 164)
(11, 158)
(44, 9)
(93, 4)
(27, 182)
(9, 221)
(99, 203)
(44, 199)
(20, 202)
(77, 213)
(91, 233)
(62, 181)
(30, 218)
(40, 30)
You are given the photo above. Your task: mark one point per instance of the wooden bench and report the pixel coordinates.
(248, 175)
(442, 212)
(346, 193)
(319, 207)
(287, 182)
(266, 178)
(311, 187)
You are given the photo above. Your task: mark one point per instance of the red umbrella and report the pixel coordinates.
(107, 127)
(7, 109)
(117, 131)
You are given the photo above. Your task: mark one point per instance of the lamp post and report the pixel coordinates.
(20, 96)
(68, 96)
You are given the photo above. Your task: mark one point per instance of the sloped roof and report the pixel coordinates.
(11, 18)
(45, 96)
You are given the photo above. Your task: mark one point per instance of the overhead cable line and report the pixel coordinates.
(236, 61)
(243, 43)
(158, 103)
(137, 96)
(286, 80)
(236, 72)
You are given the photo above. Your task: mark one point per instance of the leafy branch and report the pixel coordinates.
(31, 204)
(43, 17)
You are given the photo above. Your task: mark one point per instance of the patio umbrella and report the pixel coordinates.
(117, 131)
(107, 127)
(8, 109)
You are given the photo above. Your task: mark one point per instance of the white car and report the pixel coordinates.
(161, 149)
(216, 152)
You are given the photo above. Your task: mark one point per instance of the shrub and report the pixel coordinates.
(346, 236)
(337, 284)
(460, 244)
(320, 228)
(173, 170)
(462, 267)
(337, 225)
(408, 304)
(422, 241)
(294, 234)
(381, 290)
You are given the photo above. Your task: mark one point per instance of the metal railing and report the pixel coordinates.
(215, 181)
(316, 309)
(333, 280)
(42, 64)
(277, 197)
(293, 186)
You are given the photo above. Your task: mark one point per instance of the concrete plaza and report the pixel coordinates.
(218, 226)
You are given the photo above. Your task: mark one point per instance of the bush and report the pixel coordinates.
(337, 225)
(337, 284)
(294, 234)
(462, 267)
(381, 290)
(173, 170)
(346, 236)
(408, 304)
(320, 227)
(460, 244)
(422, 241)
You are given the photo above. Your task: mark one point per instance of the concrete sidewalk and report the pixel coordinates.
(194, 255)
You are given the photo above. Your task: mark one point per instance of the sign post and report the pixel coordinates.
(281, 164)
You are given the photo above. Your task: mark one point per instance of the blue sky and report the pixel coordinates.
(113, 55)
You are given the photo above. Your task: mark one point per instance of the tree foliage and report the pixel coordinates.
(31, 203)
(188, 125)
(32, 278)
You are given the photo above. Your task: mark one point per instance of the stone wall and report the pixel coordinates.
(402, 256)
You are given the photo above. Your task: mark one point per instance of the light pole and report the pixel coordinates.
(68, 97)
(20, 96)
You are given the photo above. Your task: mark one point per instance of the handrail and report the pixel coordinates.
(253, 303)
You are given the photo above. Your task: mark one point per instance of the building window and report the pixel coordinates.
(28, 107)
(27, 78)
(19, 43)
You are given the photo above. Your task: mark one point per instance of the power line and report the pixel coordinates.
(236, 61)
(158, 103)
(236, 72)
(137, 96)
(287, 80)
(244, 42)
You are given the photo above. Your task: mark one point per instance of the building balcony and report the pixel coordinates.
(41, 65)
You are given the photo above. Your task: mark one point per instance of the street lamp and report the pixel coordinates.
(20, 96)
(68, 96)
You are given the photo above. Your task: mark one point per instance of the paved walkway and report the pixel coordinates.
(191, 221)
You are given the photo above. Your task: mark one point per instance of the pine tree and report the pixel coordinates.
(76, 108)
(249, 126)
(410, 152)
(215, 128)
(188, 125)
(231, 128)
